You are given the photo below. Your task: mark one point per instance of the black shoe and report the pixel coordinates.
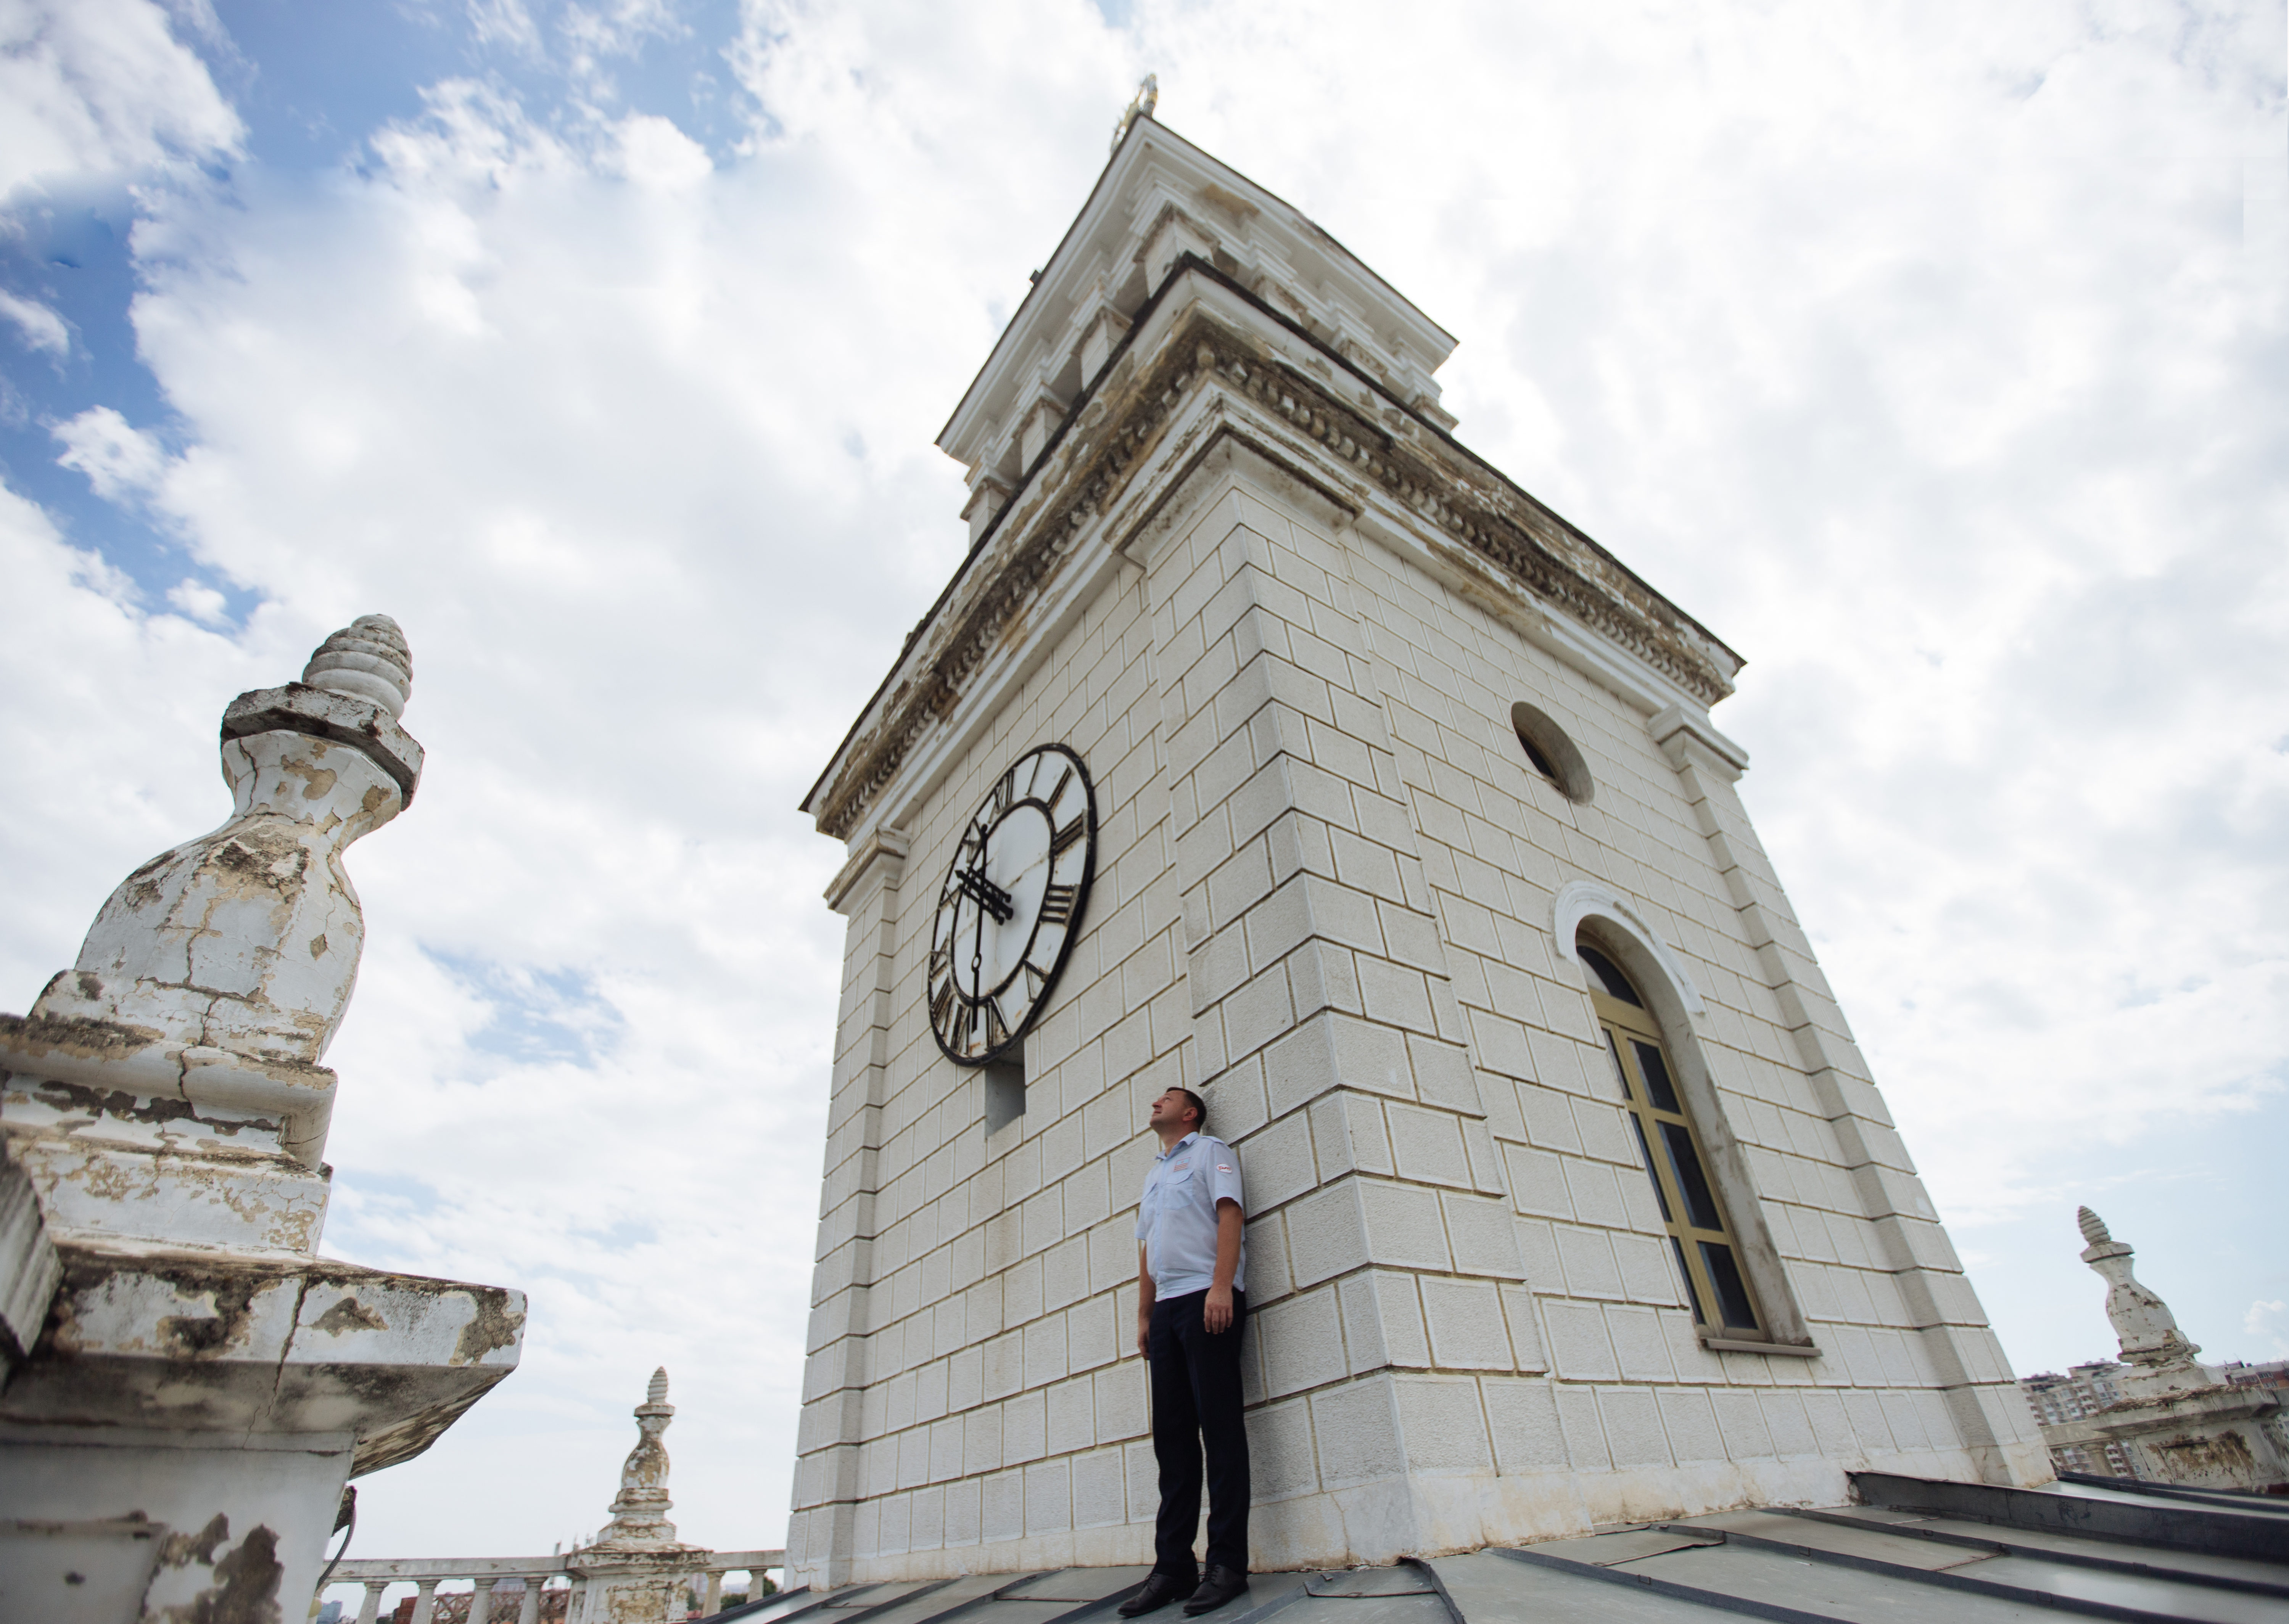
(1221, 1585)
(1158, 1591)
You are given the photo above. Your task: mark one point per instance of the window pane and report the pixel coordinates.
(1656, 1076)
(1725, 1275)
(1692, 1295)
(1692, 1183)
(1619, 1070)
(1617, 985)
(1660, 1194)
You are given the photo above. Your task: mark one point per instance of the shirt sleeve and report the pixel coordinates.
(1224, 1176)
(1145, 1210)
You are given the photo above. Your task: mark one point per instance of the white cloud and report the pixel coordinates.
(1918, 353)
(505, 22)
(42, 328)
(120, 460)
(654, 153)
(2269, 1321)
(98, 90)
(200, 601)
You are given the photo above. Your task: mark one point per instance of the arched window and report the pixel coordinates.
(1702, 1241)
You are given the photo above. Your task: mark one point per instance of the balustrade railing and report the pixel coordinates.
(494, 1580)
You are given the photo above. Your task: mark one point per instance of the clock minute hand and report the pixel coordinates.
(986, 894)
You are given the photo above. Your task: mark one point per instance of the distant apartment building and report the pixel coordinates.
(2273, 1372)
(2080, 1394)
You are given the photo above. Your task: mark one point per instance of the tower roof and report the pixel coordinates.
(1262, 240)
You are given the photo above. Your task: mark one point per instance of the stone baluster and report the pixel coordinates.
(711, 1602)
(530, 1613)
(481, 1601)
(370, 1609)
(424, 1600)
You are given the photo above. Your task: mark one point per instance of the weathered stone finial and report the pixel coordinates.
(2149, 1332)
(367, 658)
(640, 1509)
(1147, 98)
(247, 939)
(215, 975)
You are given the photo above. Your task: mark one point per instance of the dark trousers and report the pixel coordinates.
(1195, 1401)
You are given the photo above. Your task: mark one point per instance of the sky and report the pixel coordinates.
(1934, 354)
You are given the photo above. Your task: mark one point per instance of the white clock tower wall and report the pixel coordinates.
(1334, 894)
(962, 1395)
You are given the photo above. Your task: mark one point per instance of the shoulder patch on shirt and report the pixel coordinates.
(1222, 1168)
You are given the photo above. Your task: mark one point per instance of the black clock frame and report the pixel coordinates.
(957, 872)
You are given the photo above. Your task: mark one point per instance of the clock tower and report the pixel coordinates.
(1269, 743)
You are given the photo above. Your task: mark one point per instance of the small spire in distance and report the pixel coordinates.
(1147, 98)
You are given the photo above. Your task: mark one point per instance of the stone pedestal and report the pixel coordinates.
(2218, 1438)
(198, 1385)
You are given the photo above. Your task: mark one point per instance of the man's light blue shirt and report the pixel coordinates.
(1177, 1218)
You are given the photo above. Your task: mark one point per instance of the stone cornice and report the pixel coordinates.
(1116, 428)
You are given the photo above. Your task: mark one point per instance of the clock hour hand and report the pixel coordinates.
(986, 894)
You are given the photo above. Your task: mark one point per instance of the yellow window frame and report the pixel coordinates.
(1716, 1297)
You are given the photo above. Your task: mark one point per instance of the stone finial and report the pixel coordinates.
(640, 1509)
(1147, 98)
(367, 658)
(218, 972)
(2142, 1322)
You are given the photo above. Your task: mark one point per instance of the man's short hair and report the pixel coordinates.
(1200, 1109)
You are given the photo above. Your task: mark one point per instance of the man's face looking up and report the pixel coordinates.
(1171, 1110)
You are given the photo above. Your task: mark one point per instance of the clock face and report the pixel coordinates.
(1012, 904)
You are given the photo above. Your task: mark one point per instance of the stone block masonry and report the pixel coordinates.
(1285, 621)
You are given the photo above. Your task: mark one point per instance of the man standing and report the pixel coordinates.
(1192, 1301)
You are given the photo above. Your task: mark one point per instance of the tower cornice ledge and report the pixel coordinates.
(1204, 346)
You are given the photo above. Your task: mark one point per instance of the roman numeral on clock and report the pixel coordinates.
(1057, 904)
(1062, 838)
(940, 1002)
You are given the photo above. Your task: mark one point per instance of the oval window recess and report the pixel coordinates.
(1550, 753)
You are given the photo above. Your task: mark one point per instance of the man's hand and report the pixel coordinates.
(1216, 1313)
(1144, 1333)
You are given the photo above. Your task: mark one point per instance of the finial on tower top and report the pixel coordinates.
(368, 659)
(1147, 98)
(658, 1392)
(2093, 1228)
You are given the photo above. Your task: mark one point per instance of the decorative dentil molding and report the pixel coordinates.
(1404, 458)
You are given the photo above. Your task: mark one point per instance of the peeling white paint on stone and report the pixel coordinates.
(201, 1386)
